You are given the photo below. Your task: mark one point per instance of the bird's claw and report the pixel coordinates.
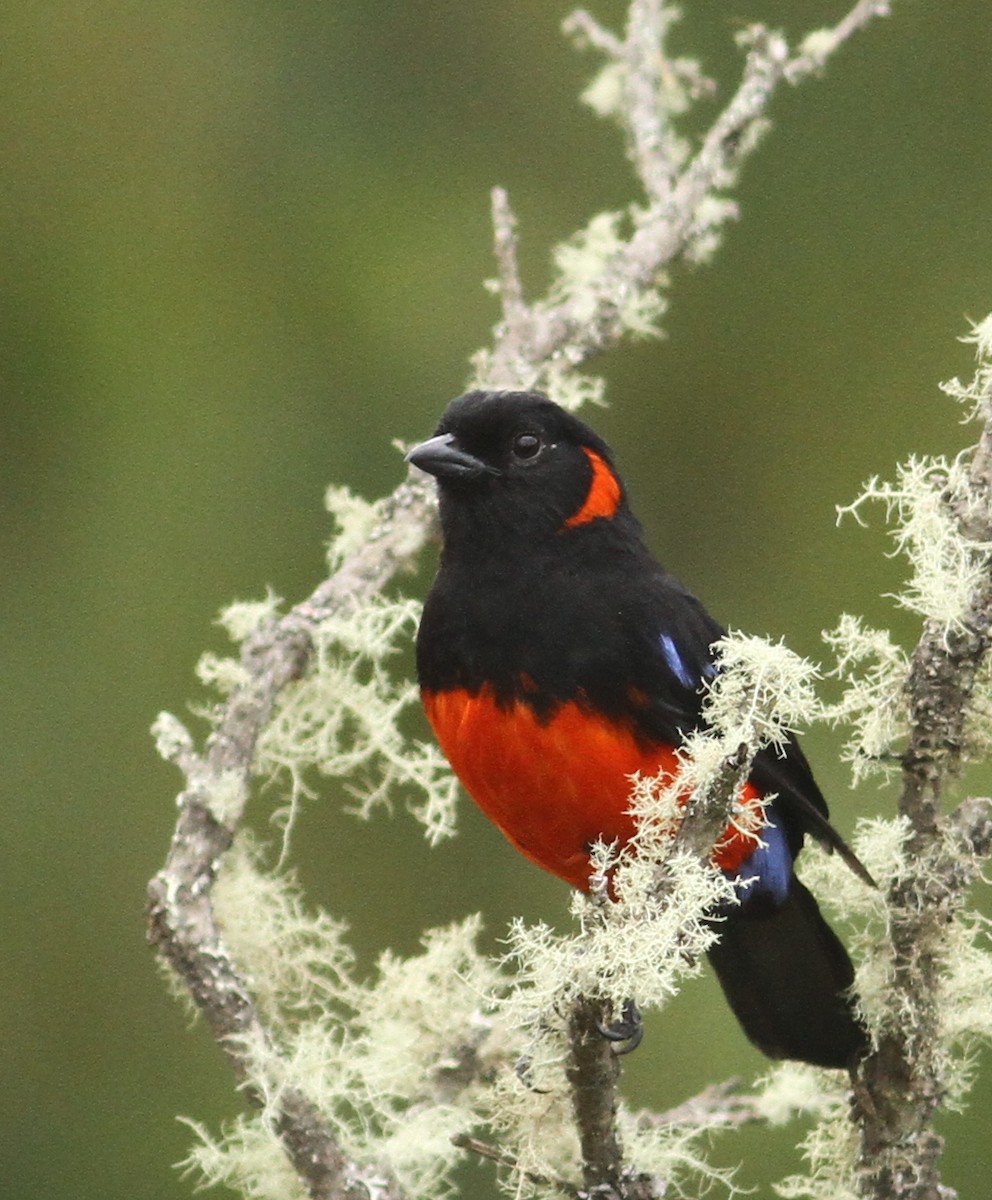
(627, 1032)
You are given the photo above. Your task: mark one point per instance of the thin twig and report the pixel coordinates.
(586, 30)
(820, 46)
(716, 1107)
(499, 1156)
(511, 289)
(653, 148)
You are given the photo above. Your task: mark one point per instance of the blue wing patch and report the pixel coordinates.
(676, 663)
(768, 868)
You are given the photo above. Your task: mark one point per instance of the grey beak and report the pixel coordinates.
(442, 457)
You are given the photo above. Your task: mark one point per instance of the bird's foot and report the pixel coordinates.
(627, 1031)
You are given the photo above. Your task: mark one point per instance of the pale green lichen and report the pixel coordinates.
(245, 1157)
(347, 717)
(395, 1064)
(222, 674)
(831, 1150)
(680, 80)
(606, 92)
(581, 261)
(924, 507)
(712, 213)
(960, 1002)
(244, 617)
(240, 621)
(172, 739)
(422, 1041)
(790, 1090)
(931, 507)
(572, 389)
(640, 946)
(677, 1157)
(344, 720)
(298, 961)
(354, 518)
(875, 702)
(976, 396)
(762, 693)
(530, 1112)
(224, 792)
(880, 844)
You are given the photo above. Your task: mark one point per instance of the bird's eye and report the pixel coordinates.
(526, 445)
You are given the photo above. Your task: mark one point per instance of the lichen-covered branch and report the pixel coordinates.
(501, 1158)
(904, 1081)
(945, 665)
(716, 1107)
(618, 294)
(607, 287)
(593, 1073)
(182, 924)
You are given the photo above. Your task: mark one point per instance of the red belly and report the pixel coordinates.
(554, 786)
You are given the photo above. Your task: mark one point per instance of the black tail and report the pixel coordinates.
(786, 976)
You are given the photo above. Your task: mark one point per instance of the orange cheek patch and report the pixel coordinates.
(556, 786)
(603, 497)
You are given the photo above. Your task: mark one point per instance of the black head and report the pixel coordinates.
(518, 464)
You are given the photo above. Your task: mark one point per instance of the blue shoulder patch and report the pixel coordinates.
(767, 871)
(676, 664)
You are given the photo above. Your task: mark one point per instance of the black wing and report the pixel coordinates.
(677, 665)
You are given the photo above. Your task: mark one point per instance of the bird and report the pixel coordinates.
(556, 657)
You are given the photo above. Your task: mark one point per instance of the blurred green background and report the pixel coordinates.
(243, 246)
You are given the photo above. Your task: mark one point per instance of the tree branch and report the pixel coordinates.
(902, 1082)
(593, 1074)
(707, 815)
(509, 284)
(182, 925)
(572, 330)
(494, 1154)
(715, 1107)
